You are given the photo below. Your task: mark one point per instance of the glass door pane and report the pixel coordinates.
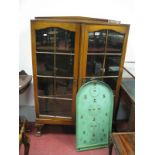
(64, 65)
(54, 107)
(45, 40)
(112, 64)
(45, 65)
(96, 41)
(94, 65)
(65, 40)
(104, 56)
(62, 87)
(55, 53)
(55, 40)
(115, 42)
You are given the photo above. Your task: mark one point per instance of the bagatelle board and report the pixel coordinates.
(94, 110)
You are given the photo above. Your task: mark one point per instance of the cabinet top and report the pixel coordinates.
(77, 19)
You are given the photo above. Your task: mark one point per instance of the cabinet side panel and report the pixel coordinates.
(33, 45)
(76, 70)
(120, 73)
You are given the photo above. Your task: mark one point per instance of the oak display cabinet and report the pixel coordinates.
(66, 53)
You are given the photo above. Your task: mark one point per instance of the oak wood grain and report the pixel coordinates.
(124, 143)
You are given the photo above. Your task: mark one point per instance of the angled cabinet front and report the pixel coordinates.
(102, 55)
(55, 70)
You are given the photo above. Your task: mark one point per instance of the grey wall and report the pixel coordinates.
(28, 112)
(26, 104)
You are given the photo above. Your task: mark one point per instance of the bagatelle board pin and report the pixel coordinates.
(94, 110)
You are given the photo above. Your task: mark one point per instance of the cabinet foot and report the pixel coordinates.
(38, 128)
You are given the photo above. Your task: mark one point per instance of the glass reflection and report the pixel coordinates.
(115, 42)
(55, 40)
(64, 65)
(112, 65)
(45, 39)
(96, 41)
(44, 64)
(95, 65)
(64, 39)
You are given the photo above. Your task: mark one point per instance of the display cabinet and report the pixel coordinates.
(66, 53)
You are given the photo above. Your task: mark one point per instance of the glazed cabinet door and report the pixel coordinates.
(55, 48)
(102, 54)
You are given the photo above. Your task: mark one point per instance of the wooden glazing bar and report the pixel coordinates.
(93, 77)
(106, 41)
(56, 77)
(103, 49)
(57, 53)
(52, 49)
(57, 98)
(54, 60)
(105, 54)
(52, 116)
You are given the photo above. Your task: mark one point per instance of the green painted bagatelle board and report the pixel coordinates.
(94, 111)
